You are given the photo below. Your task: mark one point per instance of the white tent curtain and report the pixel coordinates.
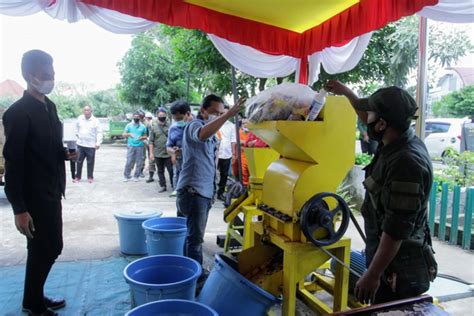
(338, 59)
(261, 65)
(454, 11)
(254, 62)
(73, 11)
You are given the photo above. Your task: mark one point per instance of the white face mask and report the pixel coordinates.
(211, 117)
(43, 87)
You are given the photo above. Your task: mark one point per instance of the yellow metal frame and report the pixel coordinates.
(315, 157)
(299, 260)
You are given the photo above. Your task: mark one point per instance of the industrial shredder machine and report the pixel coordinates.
(293, 222)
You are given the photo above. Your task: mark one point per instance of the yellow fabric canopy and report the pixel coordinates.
(293, 15)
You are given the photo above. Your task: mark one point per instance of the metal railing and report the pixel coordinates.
(449, 213)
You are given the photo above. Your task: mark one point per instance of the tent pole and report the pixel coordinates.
(237, 128)
(421, 85)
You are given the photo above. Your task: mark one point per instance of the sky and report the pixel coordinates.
(83, 52)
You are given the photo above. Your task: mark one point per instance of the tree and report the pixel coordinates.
(208, 70)
(106, 103)
(372, 69)
(456, 104)
(149, 76)
(392, 56)
(446, 46)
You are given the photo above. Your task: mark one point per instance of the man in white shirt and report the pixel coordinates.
(89, 138)
(227, 151)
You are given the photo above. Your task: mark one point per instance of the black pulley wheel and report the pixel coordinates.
(316, 215)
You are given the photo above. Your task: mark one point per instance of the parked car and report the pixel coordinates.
(441, 133)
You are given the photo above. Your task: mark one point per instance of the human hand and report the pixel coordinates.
(142, 137)
(336, 87)
(24, 224)
(366, 137)
(237, 107)
(367, 287)
(74, 155)
(97, 147)
(152, 157)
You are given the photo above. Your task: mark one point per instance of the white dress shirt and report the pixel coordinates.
(227, 137)
(88, 132)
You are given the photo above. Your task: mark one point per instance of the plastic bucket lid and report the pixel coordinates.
(173, 307)
(138, 215)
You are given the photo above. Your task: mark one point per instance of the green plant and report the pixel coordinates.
(345, 194)
(459, 169)
(363, 159)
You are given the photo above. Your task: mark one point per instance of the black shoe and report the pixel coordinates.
(50, 303)
(47, 312)
(54, 304)
(163, 189)
(149, 180)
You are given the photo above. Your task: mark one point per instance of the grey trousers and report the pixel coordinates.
(134, 158)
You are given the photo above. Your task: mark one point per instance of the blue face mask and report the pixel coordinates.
(180, 123)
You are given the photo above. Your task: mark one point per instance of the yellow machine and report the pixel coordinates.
(292, 217)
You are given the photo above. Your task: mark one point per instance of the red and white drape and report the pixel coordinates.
(334, 59)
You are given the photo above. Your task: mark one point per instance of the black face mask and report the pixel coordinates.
(136, 120)
(162, 119)
(377, 136)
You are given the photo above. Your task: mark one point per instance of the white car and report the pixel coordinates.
(441, 133)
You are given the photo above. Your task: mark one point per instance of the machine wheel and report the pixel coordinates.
(316, 214)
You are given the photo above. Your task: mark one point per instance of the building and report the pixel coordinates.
(11, 88)
(454, 79)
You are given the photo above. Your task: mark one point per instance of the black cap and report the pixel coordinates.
(393, 104)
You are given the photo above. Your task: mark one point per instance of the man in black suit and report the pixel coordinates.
(35, 177)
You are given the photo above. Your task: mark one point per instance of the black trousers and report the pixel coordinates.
(223, 165)
(73, 169)
(161, 164)
(43, 250)
(89, 153)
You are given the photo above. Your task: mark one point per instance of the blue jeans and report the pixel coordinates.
(196, 210)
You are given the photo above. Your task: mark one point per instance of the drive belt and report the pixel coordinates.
(340, 262)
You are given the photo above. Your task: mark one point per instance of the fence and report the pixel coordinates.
(445, 220)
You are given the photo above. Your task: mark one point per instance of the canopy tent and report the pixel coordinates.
(265, 38)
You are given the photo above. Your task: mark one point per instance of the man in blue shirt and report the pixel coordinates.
(196, 181)
(135, 133)
(181, 113)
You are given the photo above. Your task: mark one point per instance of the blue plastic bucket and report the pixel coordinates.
(131, 234)
(162, 277)
(165, 235)
(229, 293)
(173, 308)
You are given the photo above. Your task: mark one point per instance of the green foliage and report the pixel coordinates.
(107, 104)
(67, 106)
(208, 70)
(456, 104)
(459, 169)
(362, 159)
(374, 66)
(446, 46)
(7, 101)
(392, 55)
(149, 77)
